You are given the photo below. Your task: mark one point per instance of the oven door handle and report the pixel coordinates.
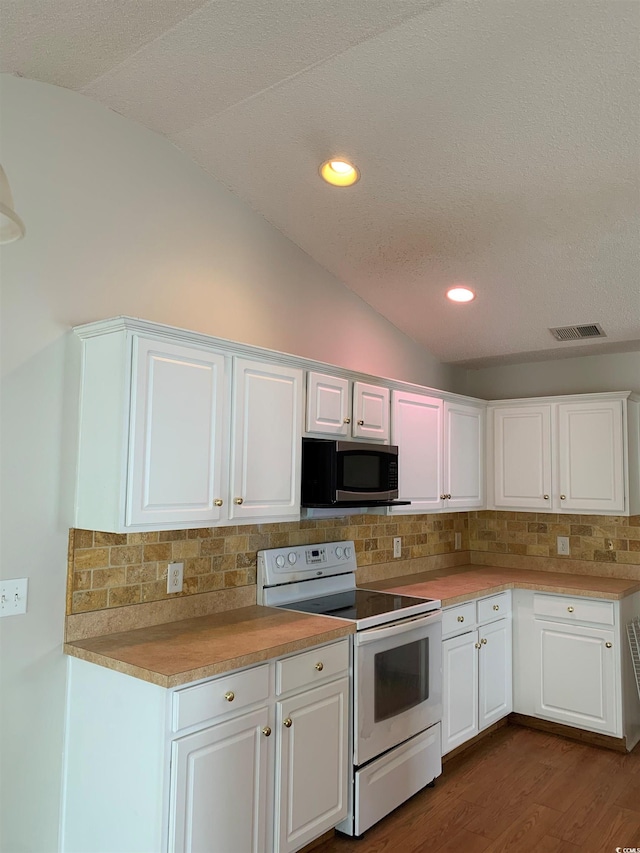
(372, 635)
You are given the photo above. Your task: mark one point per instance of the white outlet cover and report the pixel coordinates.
(175, 575)
(563, 545)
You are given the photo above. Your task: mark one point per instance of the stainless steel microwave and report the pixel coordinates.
(349, 474)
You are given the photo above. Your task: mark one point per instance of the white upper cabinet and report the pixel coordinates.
(417, 427)
(175, 433)
(266, 442)
(336, 406)
(328, 409)
(591, 456)
(175, 443)
(440, 452)
(575, 454)
(522, 460)
(370, 411)
(464, 455)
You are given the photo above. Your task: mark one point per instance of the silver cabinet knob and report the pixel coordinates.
(477, 645)
(570, 609)
(484, 641)
(496, 607)
(443, 497)
(238, 501)
(608, 645)
(218, 502)
(563, 497)
(460, 618)
(448, 497)
(546, 497)
(360, 423)
(320, 666)
(346, 421)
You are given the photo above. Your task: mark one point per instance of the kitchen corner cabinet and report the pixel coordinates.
(252, 761)
(338, 407)
(572, 663)
(441, 453)
(573, 454)
(476, 667)
(173, 435)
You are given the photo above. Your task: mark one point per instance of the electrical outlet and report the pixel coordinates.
(609, 544)
(458, 540)
(397, 546)
(175, 572)
(13, 596)
(563, 545)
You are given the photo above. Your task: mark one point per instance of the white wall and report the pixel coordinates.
(581, 375)
(120, 222)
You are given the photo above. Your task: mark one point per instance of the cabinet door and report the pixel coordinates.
(219, 788)
(312, 765)
(495, 693)
(460, 690)
(328, 405)
(522, 457)
(577, 676)
(266, 443)
(370, 411)
(175, 446)
(416, 427)
(591, 456)
(463, 456)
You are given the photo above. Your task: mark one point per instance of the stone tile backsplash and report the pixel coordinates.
(598, 538)
(114, 569)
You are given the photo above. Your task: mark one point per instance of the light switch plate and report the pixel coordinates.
(13, 596)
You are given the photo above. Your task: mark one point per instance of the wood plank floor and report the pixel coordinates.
(518, 790)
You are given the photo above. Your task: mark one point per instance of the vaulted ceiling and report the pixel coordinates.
(498, 141)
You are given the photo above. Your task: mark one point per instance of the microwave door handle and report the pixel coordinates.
(372, 635)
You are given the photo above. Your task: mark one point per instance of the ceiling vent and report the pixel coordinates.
(577, 333)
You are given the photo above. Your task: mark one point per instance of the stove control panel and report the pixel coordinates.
(303, 562)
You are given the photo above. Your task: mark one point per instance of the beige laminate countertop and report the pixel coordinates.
(453, 586)
(176, 653)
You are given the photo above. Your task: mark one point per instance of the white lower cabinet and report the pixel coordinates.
(253, 760)
(219, 787)
(577, 662)
(476, 668)
(312, 755)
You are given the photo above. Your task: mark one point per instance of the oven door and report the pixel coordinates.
(397, 683)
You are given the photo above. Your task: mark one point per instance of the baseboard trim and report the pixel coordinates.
(618, 744)
(469, 744)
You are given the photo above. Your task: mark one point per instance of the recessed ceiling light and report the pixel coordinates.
(460, 294)
(339, 173)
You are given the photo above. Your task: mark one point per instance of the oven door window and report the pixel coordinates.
(401, 679)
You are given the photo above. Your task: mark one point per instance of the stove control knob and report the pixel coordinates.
(292, 557)
(339, 552)
(280, 561)
(348, 552)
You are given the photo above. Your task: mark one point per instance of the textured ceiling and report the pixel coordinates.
(498, 143)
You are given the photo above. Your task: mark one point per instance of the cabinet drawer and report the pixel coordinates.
(459, 618)
(574, 609)
(315, 665)
(494, 607)
(232, 692)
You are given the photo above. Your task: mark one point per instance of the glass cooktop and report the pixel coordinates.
(357, 604)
